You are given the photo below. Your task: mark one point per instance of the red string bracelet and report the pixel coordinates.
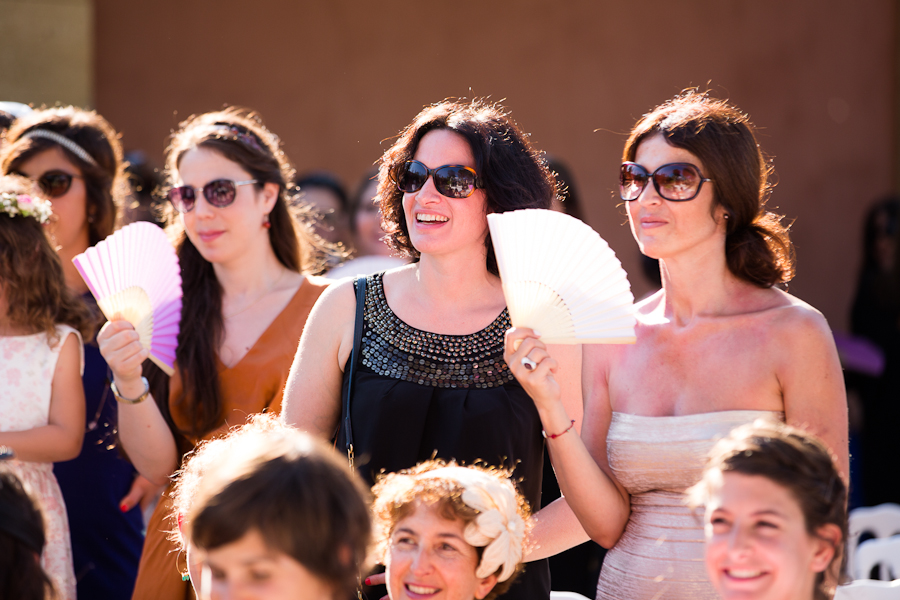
(553, 436)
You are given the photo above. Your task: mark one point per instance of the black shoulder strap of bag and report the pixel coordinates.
(354, 357)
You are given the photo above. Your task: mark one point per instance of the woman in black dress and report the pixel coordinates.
(431, 379)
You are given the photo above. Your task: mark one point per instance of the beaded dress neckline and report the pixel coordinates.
(392, 348)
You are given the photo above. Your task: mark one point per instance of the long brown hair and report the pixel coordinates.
(240, 136)
(757, 246)
(514, 173)
(31, 274)
(105, 183)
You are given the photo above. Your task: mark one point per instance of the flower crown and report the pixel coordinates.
(25, 205)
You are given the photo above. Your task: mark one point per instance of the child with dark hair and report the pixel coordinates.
(270, 509)
(21, 543)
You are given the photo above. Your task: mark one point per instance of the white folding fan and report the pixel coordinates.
(134, 275)
(561, 278)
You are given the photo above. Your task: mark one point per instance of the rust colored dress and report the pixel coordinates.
(255, 384)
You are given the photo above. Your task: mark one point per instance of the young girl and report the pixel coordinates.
(41, 398)
(776, 521)
(270, 512)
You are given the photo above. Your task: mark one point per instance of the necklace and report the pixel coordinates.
(263, 295)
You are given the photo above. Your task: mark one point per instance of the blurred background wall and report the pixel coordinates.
(337, 79)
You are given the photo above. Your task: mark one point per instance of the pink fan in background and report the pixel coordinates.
(134, 275)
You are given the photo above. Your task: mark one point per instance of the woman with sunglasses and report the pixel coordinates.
(719, 346)
(244, 253)
(75, 158)
(431, 381)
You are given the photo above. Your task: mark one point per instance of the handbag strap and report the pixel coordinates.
(354, 354)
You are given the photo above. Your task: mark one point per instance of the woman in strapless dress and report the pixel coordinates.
(718, 346)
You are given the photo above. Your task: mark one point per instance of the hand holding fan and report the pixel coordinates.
(134, 275)
(561, 278)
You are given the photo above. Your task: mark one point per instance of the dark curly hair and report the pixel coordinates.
(800, 463)
(106, 184)
(513, 173)
(757, 246)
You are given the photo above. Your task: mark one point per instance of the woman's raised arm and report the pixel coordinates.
(600, 503)
(144, 432)
(312, 396)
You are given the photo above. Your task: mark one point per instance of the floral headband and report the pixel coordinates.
(25, 205)
(499, 527)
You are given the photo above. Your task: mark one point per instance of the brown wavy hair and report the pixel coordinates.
(757, 246)
(31, 275)
(290, 487)
(106, 184)
(396, 496)
(513, 172)
(240, 136)
(800, 463)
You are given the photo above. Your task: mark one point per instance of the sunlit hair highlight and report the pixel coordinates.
(757, 247)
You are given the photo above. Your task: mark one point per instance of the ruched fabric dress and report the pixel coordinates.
(661, 554)
(420, 395)
(254, 385)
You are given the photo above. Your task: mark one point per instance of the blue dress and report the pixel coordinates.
(106, 543)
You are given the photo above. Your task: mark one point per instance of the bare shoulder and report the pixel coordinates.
(791, 315)
(338, 298)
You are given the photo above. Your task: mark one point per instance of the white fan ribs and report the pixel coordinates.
(561, 278)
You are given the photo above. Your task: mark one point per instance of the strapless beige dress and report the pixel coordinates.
(660, 555)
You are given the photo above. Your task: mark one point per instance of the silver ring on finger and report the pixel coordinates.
(528, 363)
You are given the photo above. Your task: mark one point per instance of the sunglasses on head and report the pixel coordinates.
(677, 182)
(54, 183)
(452, 181)
(220, 193)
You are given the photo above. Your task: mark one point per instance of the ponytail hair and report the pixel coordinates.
(757, 247)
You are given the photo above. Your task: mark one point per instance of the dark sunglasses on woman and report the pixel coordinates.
(452, 181)
(677, 182)
(220, 193)
(54, 183)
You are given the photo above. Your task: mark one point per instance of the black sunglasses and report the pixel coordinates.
(453, 181)
(677, 182)
(54, 183)
(220, 193)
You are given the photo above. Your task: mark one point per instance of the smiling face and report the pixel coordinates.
(249, 569)
(757, 545)
(69, 226)
(439, 225)
(222, 235)
(663, 228)
(428, 559)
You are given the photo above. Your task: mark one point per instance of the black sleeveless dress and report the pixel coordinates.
(421, 395)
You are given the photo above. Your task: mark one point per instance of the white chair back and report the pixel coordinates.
(868, 589)
(883, 552)
(881, 521)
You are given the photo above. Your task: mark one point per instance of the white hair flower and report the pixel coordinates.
(25, 205)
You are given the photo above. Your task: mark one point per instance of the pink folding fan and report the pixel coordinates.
(134, 275)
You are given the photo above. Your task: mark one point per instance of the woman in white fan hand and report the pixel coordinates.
(717, 347)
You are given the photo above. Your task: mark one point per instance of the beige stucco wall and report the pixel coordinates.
(336, 78)
(46, 51)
